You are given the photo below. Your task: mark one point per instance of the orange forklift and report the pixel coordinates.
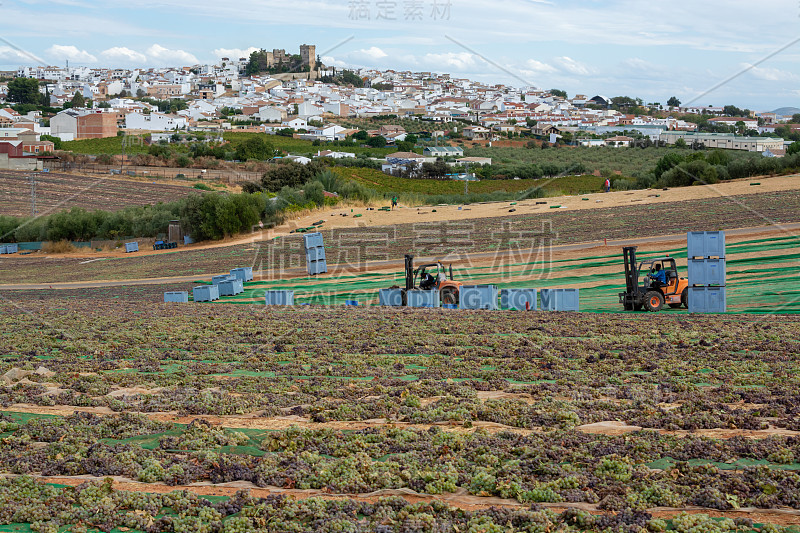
(660, 285)
(432, 276)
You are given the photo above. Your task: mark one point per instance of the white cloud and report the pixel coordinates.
(170, 57)
(533, 65)
(72, 53)
(770, 74)
(372, 53)
(9, 56)
(233, 53)
(124, 55)
(572, 66)
(331, 61)
(452, 60)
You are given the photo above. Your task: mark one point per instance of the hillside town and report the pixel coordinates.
(312, 101)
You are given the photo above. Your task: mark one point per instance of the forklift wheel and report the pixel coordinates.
(449, 297)
(653, 301)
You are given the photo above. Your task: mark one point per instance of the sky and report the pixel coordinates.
(710, 52)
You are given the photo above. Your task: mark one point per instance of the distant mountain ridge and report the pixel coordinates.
(787, 111)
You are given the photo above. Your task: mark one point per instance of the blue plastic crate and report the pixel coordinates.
(518, 299)
(449, 306)
(390, 297)
(351, 303)
(560, 299)
(244, 273)
(420, 298)
(317, 267)
(315, 254)
(231, 287)
(708, 300)
(131, 247)
(705, 244)
(478, 297)
(279, 297)
(313, 240)
(205, 293)
(176, 297)
(216, 280)
(706, 272)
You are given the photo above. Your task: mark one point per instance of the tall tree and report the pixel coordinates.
(78, 100)
(24, 91)
(673, 102)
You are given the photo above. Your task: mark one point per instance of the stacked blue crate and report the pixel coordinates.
(706, 271)
(315, 254)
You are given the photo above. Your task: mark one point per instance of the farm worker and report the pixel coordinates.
(427, 281)
(659, 276)
(394, 202)
(608, 185)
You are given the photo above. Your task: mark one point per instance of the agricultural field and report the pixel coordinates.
(375, 242)
(232, 418)
(113, 145)
(384, 183)
(627, 161)
(58, 192)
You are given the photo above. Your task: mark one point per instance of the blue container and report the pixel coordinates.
(352, 303)
(205, 293)
(244, 273)
(216, 280)
(315, 254)
(705, 244)
(313, 240)
(187, 240)
(419, 298)
(180, 297)
(390, 297)
(9, 248)
(560, 299)
(478, 297)
(232, 287)
(317, 267)
(449, 306)
(279, 297)
(706, 272)
(131, 247)
(3, 249)
(518, 299)
(707, 300)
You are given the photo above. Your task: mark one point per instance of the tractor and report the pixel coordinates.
(652, 294)
(432, 276)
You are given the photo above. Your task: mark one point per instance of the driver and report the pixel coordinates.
(427, 281)
(659, 276)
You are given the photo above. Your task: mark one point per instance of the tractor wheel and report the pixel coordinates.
(653, 301)
(450, 297)
(685, 297)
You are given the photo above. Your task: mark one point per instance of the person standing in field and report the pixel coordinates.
(607, 185)
(394, 202)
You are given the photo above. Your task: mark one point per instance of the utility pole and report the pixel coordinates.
(466, 180)
(122, 163)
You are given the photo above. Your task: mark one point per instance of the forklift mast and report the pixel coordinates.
(631, 269)
(409, 272)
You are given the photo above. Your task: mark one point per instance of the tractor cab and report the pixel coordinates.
(660, 283)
